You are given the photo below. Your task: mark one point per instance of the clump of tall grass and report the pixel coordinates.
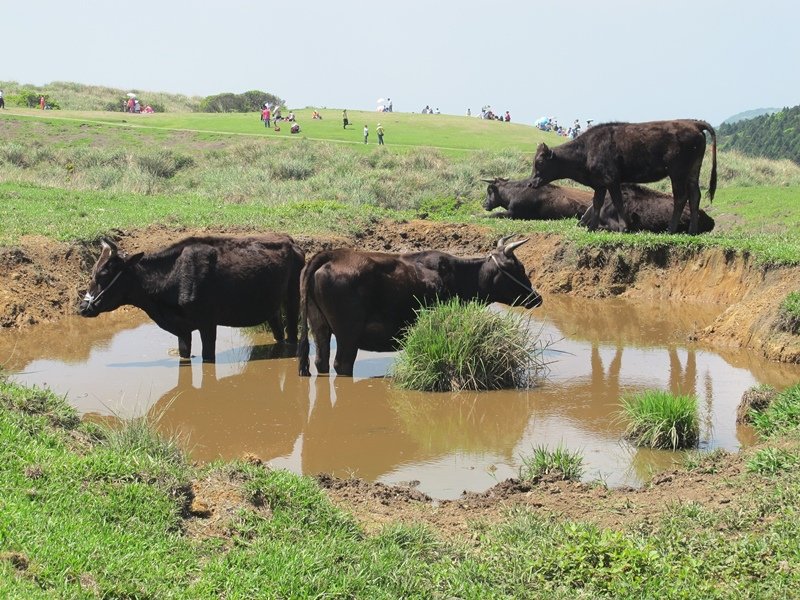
(781, 416)
(141, 436)
(560, 463)
(457, 345)
(659, 419)
(789, 313)
(164, 163)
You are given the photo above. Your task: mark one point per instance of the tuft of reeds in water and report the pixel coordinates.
(560, 463)
(659, 419)
(457, 345)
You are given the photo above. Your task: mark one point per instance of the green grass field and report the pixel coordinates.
(451, 134)
(110, 170)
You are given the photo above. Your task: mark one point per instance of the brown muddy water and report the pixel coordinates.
(252, 399)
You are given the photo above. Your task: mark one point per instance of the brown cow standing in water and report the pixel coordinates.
(201, 282)
(608, 155)
(366, 299)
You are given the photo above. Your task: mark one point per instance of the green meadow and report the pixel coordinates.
(109, 170)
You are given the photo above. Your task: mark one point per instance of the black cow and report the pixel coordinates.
(648, 210)
(522, 201)
(201, 282)
(366, 299)
(611, 154)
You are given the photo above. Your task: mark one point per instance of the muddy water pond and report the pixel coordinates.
(252, 400)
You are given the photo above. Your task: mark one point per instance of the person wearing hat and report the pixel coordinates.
(379, 131)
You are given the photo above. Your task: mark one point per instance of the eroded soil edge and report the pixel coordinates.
(42, 280)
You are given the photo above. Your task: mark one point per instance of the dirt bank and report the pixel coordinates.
(42, 280)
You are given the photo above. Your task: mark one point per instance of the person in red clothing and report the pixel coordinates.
(265, 115)
(41, 102)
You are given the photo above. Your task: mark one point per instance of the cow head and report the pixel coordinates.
(503, 277)
(493, 196)
(107, 287)
(544, 166)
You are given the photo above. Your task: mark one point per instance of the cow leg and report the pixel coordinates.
(346, 351)
(322, 339)
(597, 204)
(185, 346)
(616, 197)
(292, 312)
(208, 336)
(693, 188)
(276, 326)
(679, 198)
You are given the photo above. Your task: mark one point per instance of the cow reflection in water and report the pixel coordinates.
(340, 426)
(262, 409)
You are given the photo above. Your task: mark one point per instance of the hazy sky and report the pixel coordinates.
(627, 60)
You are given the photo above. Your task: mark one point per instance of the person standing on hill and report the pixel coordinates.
(41, 102)
(345, 121)
(379, 131)
(366, 133)
(265, 115)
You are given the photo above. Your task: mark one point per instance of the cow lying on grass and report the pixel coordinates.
(201, 282)
(608, 155)
(521, 201)
(648, 210)
(366, 299)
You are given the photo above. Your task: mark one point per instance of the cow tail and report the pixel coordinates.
(712, 186)
(306, 290)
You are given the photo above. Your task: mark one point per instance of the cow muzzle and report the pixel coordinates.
(88, 306)
(532, 300)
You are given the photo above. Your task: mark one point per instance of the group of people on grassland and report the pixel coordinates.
(272, 116)
(550, 124)
(379, 129)
(132, 105)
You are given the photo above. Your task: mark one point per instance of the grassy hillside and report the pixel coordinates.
(111, 170)
(451, 134)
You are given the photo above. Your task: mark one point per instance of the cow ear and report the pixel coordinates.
(133, 260)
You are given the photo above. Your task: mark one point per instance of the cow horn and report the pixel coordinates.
(109, 247)
(488, 180)
(514, 245)
(502, 241)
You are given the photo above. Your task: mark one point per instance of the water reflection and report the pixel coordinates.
(252, 400)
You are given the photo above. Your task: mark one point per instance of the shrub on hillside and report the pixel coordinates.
(247, 102)
(457, 345)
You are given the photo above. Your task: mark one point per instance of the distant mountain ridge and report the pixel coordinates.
(749, 114)
(775, 135)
